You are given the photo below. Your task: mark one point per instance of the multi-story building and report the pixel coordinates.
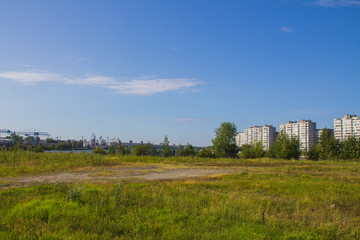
(252, 135)
(347, 127)
(304, 130)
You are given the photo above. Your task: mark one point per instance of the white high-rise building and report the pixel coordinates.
(347, 127)
(304, 130)
(252, 135)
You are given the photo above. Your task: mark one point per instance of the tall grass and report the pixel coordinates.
(316, 202)
(16, 163)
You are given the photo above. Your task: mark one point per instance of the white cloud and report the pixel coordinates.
(95, 80)
(186, 120)
(173, 48)
(30, 77)
(141, 86)
(337, 3)
(151, 86)
(286, 29)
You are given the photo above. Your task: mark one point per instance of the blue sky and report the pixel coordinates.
(141, 70)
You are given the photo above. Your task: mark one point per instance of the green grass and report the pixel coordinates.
(268, 199)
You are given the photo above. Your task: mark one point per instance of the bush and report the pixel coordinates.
(74, 194)
(99, 150)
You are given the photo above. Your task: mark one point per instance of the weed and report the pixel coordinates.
(74, 194)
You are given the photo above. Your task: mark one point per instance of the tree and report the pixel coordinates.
(246, 151)
(206, 153)
(145, 150)
(167, 152)
(285, 147)
(180, 151)
(349, 148)
(224, 141)
(123, 150)
(252, 151)
(327, 146)
(189, 150)
(166, 141)
(111, 150)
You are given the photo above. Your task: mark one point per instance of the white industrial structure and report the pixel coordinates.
(304, 130)
(347, 127)
(265, 134)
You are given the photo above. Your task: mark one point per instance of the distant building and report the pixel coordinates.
(304, 130)
(252, 135)
(318, 133)
(347, 127)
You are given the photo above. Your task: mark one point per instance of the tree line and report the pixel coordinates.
(149, 149)
(223, 146)
(284, 147)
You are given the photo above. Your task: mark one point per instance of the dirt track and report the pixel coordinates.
(131, 173)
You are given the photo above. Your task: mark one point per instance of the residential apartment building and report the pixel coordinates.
(347, 127)
(304, 130)
(252, 135)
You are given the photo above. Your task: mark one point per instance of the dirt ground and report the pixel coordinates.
(116, 173)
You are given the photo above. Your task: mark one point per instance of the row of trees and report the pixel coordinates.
(31, 143)
(330, 148)
(151, 150)
(224, 145)
(284, 147)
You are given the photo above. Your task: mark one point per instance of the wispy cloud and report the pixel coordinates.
(151, 86)
(30, 77)
(286, 29)
(173, 48)
(141, 86)
(186, 120)
(337, 3)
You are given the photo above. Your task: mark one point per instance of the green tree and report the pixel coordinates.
(328, 146)
(246, 151)
(111, 150)
(167, 152)
(180, 151)
(206, 153)
(123, 150)
(166, 141)
(145, 150)
(189, 150)
(349, 148)
(259, 150)
(285, 147)
(224, 141)
(252, 151)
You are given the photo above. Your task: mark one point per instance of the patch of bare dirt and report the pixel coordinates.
(147, 173)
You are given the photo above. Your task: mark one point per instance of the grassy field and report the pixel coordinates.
(266, 199)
